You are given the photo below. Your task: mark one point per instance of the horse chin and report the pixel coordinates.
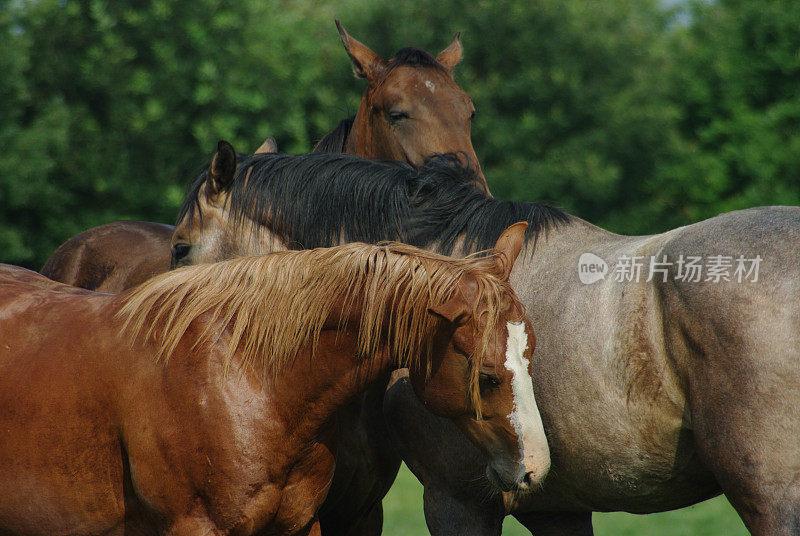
(498, 481)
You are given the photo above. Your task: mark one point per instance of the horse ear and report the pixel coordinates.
(508, 247)
(366, 64)
(222, 168)
(269, 146)
(453, 310)
(450, 56)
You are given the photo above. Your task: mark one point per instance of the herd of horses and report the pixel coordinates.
(262, 369)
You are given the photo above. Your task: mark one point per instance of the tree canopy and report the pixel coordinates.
(633, 115)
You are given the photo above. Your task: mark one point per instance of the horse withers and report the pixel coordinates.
(204, 401)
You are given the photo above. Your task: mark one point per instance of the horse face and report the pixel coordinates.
(509, 432)
(212, 236)
(416, 112)
(200, 238)
(412, 108)
(205, 233)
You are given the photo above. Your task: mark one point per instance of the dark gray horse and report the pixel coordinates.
(667, 369)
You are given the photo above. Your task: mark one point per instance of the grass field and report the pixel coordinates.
(403, 516)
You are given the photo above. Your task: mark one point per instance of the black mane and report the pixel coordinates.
(333, 141)
(321, 200)
(450, 203)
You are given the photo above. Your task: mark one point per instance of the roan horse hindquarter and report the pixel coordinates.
(204, 401)
(654, 394)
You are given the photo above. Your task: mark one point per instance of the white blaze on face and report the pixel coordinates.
(430, 85)
(525, 416)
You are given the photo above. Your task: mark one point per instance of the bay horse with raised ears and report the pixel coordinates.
(656, 392)
(204, 401)
(412, 108)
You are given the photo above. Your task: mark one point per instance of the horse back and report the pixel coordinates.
(112, 257)
(745, 298)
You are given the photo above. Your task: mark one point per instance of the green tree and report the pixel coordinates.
(620, 112)
(108, 108)
(736, 80)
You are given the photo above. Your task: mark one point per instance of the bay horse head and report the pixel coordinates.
(412, 108)
(502, 417)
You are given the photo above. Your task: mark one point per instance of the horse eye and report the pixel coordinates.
(396, 115)
(488, 381)
(179, 251)
(472, 115)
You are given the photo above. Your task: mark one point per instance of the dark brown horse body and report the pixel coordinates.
(92, 259)
(182, 407)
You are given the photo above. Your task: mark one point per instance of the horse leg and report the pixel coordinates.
(557, 524)
(745, 408)
(312, 529)
(371, 524)
(193, 526)
(458, 499)
(753, 452)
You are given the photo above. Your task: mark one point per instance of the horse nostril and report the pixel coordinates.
(527, 480)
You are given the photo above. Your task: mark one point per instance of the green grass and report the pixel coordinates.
(403, 516)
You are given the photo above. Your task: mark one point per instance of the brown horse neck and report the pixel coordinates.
(319, 385)
(359, 141)
(310, 391)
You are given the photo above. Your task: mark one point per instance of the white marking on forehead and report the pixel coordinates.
(430, 85)
(524, 415)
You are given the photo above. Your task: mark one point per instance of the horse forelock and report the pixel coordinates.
(414, 57)
(273, 306)
(408, 57)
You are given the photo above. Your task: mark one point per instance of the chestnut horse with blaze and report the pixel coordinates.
(412, 109)
(204, 401)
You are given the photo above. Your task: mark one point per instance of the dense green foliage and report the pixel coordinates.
(629, 114)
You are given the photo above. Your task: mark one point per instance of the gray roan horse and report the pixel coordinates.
(655, 392)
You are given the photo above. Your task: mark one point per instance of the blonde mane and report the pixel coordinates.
(274, 305)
